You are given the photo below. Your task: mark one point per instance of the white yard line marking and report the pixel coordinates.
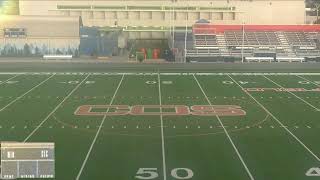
(16, 99)
(163, 73)
(55, 109)
(306, 102)
(98, 132)
(279, 122)
(318, 85)
(226, 132)
(162, 133)
(9, 79)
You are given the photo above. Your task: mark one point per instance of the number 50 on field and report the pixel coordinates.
(152, 173)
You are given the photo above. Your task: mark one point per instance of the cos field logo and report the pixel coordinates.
(154, 110)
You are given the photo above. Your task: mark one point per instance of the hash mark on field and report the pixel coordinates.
(276, 119)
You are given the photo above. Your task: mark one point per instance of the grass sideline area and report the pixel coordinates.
(277, 136)
(18, 65)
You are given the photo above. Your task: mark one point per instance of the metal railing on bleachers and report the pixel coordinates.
(202, 52)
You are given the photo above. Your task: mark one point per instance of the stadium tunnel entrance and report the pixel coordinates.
(107, 42)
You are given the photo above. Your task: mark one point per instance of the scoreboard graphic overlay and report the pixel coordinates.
(27, 160)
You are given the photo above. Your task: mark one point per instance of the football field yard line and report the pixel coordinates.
(98, 132)
(226, 132)
(9, 79)
(16, 99)
(162, 132)
(306, 102)
(55, 109)
(275, 118)
(318, 85)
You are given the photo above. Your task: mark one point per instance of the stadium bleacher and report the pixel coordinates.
(205, 41)
(285, 41)
(298, 39)
(234, 38)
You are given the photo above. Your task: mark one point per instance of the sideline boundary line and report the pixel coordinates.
(162, 133)
(226, 132)
(55, 109)
(275, 118)
(19, 97)
(98, 132)
(162, 73)
(306, 102)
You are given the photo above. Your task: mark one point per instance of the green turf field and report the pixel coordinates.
(276, 139)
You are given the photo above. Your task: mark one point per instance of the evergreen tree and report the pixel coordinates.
(26, 50)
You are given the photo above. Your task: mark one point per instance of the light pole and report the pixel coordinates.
(173, 25)
(317, 9)
(242, 57)
(186, 35)
(170, 21)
